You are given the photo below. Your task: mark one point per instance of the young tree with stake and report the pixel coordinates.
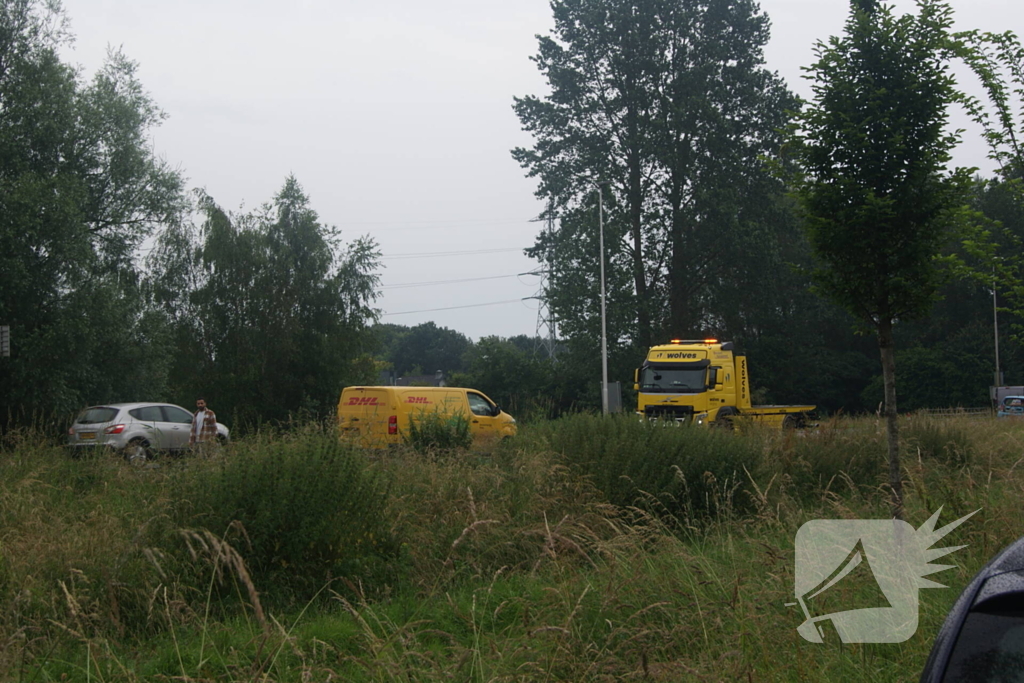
(872, 150)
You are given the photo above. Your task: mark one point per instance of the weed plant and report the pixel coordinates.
(686, 473)
(303, 508)
(942, 439)
(842, 456)
(435, 432)
(74, 544)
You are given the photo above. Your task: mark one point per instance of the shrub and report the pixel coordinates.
(438, 431)
(682, 471)
(309, 507)
(838, 454)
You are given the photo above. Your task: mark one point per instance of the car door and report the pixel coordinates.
(148, 423)
(177, 423)
(483, 417)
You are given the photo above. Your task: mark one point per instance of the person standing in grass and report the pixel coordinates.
(203, 434)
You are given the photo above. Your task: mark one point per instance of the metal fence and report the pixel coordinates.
(955, 412)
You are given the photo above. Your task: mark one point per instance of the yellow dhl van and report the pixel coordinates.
(379, 416)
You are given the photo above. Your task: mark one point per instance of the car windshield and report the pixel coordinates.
(91, 416)
(676, 380)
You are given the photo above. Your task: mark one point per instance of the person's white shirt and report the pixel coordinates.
(197, 423)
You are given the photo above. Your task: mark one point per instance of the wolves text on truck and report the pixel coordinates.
(705, 382)
(377, 417)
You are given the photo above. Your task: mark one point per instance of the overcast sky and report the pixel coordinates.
(396, 119)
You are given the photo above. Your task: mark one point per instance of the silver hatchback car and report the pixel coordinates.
(135, 429)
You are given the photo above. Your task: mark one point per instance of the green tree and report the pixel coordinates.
(993, 249)
(523, 382)
(873, 149)
(425, 349)
(80, 189)
(668, 102)
(271, 310)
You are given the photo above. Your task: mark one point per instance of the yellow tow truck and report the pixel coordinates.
(705, 382)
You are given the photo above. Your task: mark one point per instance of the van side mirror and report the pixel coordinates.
(497, 410)
(636, 380)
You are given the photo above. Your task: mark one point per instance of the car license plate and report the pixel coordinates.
(85, 436)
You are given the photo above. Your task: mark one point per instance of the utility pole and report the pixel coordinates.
(604, 318)
(995, 326)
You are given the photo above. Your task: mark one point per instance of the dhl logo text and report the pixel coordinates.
(363, 401)
(417, 399)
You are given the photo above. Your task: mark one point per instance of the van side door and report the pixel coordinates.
(483, 417)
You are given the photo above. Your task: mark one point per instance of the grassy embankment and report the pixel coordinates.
(585, 550)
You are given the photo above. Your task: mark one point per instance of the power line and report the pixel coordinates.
(430, 225)
(433, 254)
(448, 282)
(452, 308)
(426, 254)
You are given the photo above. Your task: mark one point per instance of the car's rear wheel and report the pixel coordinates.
(138, 451)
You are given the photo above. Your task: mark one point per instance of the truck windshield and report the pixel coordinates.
(673, 380)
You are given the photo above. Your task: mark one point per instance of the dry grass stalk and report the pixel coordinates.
(223, 556)
(469, 530)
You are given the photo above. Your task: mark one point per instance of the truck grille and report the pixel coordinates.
(669, 412)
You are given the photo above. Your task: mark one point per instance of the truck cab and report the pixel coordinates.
(705, 382)
(691, 380)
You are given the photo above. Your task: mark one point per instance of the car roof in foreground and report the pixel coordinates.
(1001, 579)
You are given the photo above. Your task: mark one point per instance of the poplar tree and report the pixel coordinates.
(666, 103)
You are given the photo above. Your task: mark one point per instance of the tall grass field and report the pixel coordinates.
(585, 549)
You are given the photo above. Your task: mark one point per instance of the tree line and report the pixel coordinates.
(798, 229)
(266, 313)
(732, 209)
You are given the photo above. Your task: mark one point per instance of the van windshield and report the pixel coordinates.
(674, 380)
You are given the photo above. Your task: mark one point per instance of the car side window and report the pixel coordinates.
(147, 414)
(480, 405)
(176, 414)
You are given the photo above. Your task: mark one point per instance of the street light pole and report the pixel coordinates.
(604, 319)
(995, 326)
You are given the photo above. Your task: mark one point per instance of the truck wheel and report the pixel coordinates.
(724, 423)
(795, 421)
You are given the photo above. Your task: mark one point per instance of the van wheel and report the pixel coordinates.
(137, 452)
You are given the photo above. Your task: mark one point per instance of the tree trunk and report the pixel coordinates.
(635, 194)
(885, 345)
